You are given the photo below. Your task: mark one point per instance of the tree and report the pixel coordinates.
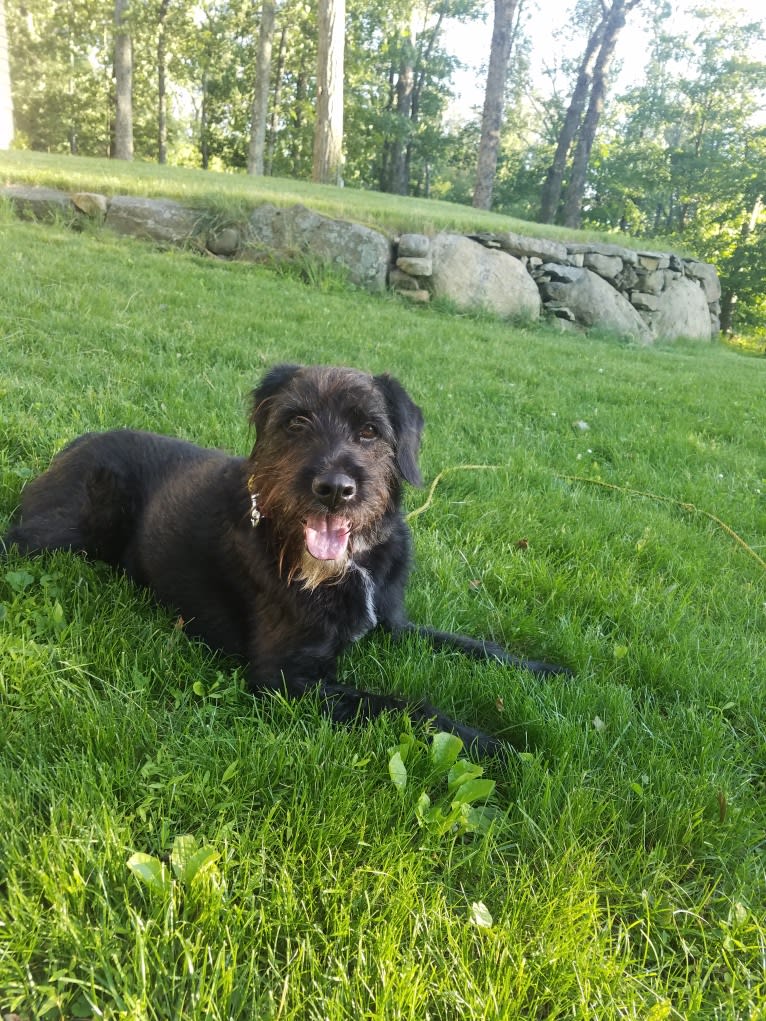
(580, 123)
(61, 75)
(494, 97)
(162, 99)
(6, 99)
(328, 130)
(276, 102)
(417, 75)
(398, 177)
(686, 157)
(123, 83)
(554, 178)
(257, 150)
(614, 22)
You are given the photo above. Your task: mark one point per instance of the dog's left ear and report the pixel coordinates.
(276, 379)
(407, 421)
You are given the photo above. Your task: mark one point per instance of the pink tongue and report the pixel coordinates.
(327, 536)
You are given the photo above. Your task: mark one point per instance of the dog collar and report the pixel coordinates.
(255, 514)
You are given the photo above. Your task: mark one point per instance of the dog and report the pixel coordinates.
(283, 558)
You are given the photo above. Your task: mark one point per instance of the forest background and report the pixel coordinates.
(365, 94)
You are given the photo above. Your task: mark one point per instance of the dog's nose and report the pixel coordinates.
(334, 489)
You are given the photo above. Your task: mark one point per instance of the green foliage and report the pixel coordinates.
(685, 155)
(189, 864)
(61, 72)
(454, 812)
(60, 75)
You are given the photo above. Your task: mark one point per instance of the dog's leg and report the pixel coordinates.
(92, 514)
(314, 670)
(345, 704)
(44, 533)
(392, 617)
(480, 649)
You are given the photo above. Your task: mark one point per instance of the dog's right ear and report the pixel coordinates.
(273, 382)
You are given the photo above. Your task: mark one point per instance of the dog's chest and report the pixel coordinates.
(349, 606)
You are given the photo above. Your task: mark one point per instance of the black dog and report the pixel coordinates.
(282, 558)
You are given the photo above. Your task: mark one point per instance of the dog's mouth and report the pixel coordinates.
(327, 536)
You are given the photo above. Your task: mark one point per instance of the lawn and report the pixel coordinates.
(234, 195)
(276, 871)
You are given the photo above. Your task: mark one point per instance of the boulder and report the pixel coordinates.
(361, 252)
(32, 203)
(707, 276)
(644, 301)
(416, 246)
(156, 219)
(398, 280)
(653, 261)
(628, 256)
(91, 204)
(416, 266)
(224, 242)
(607, 266)
(593, 302)
(418, 297)
(682, 311)
(475, 277)
(518, 245)
(653, 282)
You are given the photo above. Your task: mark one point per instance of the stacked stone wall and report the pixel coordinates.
(644, 295)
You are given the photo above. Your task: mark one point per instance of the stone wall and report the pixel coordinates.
(641, 295)
(644, 295)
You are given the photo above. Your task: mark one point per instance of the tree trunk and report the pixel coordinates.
(257, 150)
(328, 130)
(6, 98)
(420, 76)
(494, 101)
(554, 180)
(123, 84)
(398, 166)
(614, 24)
(384, 176)
(162, 99)
(204, 142)
(276, 103)
(296, 133)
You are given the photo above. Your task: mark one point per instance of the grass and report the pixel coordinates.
(232, 195)
(625, 876)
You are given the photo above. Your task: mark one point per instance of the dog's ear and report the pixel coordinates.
(271, 384)
(407, 421)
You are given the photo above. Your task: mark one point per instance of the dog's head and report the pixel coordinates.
(332, 447)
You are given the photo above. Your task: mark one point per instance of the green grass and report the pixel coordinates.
(625, 878)
(233, 194)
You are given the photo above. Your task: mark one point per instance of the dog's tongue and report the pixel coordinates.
(327, 536)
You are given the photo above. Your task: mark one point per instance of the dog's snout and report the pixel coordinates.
(333, 489)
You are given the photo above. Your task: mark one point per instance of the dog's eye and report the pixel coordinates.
(298, 423)
(368, 432)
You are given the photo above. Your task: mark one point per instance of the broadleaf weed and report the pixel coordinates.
(451, 811)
